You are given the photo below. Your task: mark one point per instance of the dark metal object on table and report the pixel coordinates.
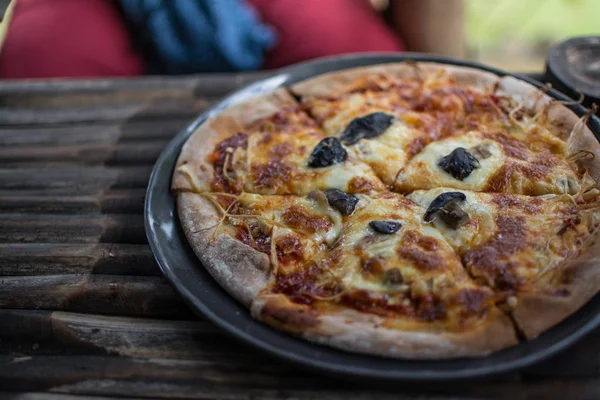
(184, 270)
(573, 67)
(84, 309)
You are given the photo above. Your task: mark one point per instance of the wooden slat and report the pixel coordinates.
(69, 258)
(56, 396)
(145, 110)
(103, 375)
(63, 92)
(58, 332)
(143, 153)
(97, 294)
(85, 228)
(88, 177)
(148, 377)
(123, 201)
(104, 132)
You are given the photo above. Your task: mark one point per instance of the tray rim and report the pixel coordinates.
(282, 78)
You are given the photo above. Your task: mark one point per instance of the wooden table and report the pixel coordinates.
(84, 309)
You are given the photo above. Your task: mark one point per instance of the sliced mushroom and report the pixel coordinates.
(393, 276)
(480, 152)
(446, 207)
(329, 151)
(385, 227)
(366, 127)
(343, 202)
(460, 163)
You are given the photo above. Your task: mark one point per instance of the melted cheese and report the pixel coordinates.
(475, 231)
(385, 153)
(423, 171)
(273, 208)
(275, 162)
(360, 244)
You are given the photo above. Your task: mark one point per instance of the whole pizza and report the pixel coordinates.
(413, 210)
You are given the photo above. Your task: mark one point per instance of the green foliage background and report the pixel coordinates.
(490, 22)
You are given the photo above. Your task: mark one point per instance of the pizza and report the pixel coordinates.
(409, 210)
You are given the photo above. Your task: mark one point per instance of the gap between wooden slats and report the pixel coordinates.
(21, 259)
(100, 132)
(144, 153)
(64, 92)
(77, 178)
(77, 228)
(140, 296)
(145, 110)
(118, 201)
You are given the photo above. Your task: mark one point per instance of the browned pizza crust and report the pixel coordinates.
(537, 312)
(340, 81)
(464, 76)
(350, 330)
(242, 271)
(210, 133)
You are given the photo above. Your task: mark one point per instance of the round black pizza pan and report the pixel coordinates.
(204, 295)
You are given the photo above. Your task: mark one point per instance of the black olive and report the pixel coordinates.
(446, 207)
(367, 127)
(343, 202)
(387, 227)
(329, 151)
(393, 277)
(460, 163)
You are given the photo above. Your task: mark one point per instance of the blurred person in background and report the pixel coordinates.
(100, 38)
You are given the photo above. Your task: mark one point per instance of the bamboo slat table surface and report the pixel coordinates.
(84, 310)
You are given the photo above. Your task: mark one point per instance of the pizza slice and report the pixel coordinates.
(386, 114)
(389, 277)
(273, 149)
(491, 162)
(525, 248)
(245, 239)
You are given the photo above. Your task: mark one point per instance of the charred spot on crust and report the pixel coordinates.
(329, 151)
(341, 201)
(446, 207)
(460, 163)
(366, 127)
(385, 227)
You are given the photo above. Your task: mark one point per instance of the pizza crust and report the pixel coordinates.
(211, 132)
(465, 76)
(340, 81)
(536, 312)
(242, 271)
(350, 330)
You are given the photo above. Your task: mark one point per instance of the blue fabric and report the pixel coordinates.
(188, 36)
